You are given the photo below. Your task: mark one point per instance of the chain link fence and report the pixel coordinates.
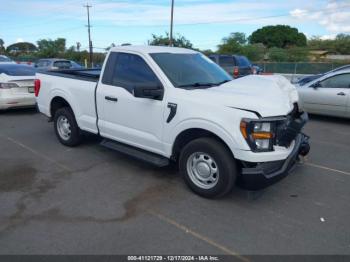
(304, 68)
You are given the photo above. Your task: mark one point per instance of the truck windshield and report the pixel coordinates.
(190, 70)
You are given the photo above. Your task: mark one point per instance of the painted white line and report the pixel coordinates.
(197, 235)
(327, 168)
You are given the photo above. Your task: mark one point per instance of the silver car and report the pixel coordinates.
(56, 64)
(327, 95)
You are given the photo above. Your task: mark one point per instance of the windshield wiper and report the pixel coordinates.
(198, 84)
(223, 82)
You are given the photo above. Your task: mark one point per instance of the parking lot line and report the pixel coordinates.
(197, 235)
(327, 168)
(37, 153)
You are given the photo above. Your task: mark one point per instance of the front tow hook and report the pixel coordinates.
(304, 148)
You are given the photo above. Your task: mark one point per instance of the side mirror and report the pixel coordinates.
(316, 85)
(152, 91)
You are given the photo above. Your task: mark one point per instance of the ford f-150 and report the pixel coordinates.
(163, 104)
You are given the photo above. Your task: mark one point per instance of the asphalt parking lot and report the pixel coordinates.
(90, 200)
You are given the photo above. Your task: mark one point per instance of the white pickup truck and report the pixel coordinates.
(162, 104)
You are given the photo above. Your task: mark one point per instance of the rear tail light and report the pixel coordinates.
(37, 85)
(235, 72)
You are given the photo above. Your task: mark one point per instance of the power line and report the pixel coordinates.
(325, 11)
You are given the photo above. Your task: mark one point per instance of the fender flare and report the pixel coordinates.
(59, 93)
(219, 131)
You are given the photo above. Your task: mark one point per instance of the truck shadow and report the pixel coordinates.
(19, 111)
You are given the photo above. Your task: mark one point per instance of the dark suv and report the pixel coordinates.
(235, 65)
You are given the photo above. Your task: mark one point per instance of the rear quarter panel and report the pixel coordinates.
(78, 93)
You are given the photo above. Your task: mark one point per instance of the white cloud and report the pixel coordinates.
(298, 13)
(335, 17)
(328, 37)
(19, 40)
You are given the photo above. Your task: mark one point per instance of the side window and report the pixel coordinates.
(41, 63)
(128, 71)
(226, 61)
(62, 64)
(338, 81)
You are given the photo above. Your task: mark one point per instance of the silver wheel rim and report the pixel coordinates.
(202, 170)
(63, 127)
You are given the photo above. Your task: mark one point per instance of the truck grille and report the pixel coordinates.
(288, 129)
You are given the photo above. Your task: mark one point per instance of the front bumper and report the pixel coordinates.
(267, 173)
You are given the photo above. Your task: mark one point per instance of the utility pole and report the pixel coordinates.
(90, 42)
(171, 23)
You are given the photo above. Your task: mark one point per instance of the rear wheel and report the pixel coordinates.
(208, 167)
(66, 127)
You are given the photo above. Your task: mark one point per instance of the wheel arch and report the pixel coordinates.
(190, 134)
(58, 102)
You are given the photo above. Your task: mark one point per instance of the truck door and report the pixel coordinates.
(329, 96)
(122, 116)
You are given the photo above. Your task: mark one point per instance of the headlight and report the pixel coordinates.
(259, 134)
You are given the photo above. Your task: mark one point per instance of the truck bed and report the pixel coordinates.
(91, 75)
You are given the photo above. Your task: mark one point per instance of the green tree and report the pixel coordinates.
(298, 54)
(342, 44)
(207, 52)
(179, 41)
(51, 48)
(232, 44)
(339, 45)
(280, 36)
(255, 52)
(278, 54)
(20, 48)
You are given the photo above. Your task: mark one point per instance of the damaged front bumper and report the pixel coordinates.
(267, 173)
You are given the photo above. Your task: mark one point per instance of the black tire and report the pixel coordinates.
(223, 159)
(75, 136)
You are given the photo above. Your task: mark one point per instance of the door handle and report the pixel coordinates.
(341, 94)
(111, 98)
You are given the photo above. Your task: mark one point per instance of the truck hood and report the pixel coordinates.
(266, 95)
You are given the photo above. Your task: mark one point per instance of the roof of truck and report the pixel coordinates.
(148, 49)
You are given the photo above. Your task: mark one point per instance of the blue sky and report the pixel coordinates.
(204, 22)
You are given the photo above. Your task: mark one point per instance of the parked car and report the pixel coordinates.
(163, 104)
(307, 79)
(257, 70)
(56, 63)
(16, 86)
(327, 95)
(5, 60)
(235, 65)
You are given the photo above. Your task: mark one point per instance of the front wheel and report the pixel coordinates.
(208, 167)
(66, 127)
